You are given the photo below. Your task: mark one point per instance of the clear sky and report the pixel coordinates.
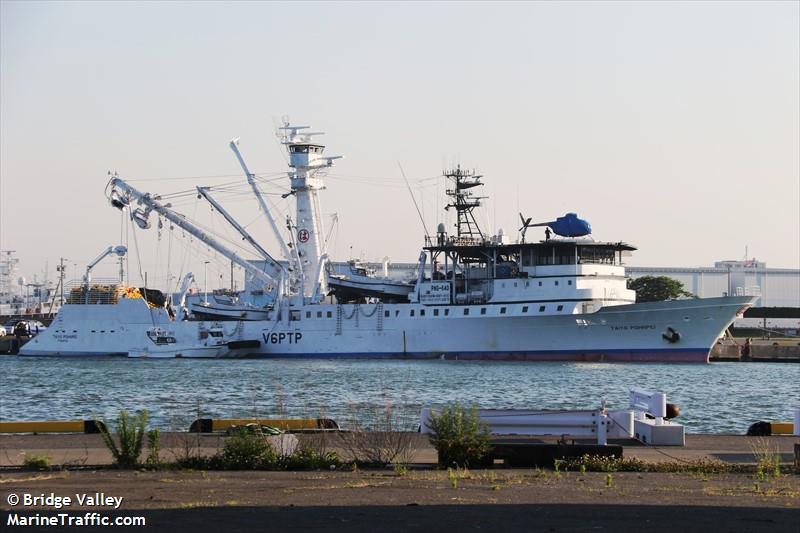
(672, 126)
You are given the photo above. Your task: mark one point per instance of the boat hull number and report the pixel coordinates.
(291, 337)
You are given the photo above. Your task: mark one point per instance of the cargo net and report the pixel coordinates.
(96, 293)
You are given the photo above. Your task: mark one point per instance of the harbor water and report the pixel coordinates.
(714, 398)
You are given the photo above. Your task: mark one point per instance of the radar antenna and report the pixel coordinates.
(464, 202)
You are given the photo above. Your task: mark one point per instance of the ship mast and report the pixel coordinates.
(306, 179)
(464, 202)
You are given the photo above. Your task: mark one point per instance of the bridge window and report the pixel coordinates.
(421, 312)
(411, 313)
(319, 314)
(541, 308)
(560, 308)
(446, 312)
(502, 310)
(524, 308)
(308, 314)
(386, 314)
(435, 312)
(466, 310)
(483, 310)
(329, 314)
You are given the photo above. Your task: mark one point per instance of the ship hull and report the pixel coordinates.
(676, 331)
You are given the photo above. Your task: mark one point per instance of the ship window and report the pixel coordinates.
(435, 312)
(411, 313)
(308, 314)
(560, 308)
(502, 310)
(421, 312)
(483, 310)
(446, 312)
(527, 283)
(540, 283)
(294, 316)
(319, 314)
(386, 314)
(515, 283)
(569, 282)
(556, 282)
(541, 308)
(329, 314)
(112, 331)
(93, 331)
(74, 331)
(102, 331)
(466, 310)
(396, 312)
(524, 308)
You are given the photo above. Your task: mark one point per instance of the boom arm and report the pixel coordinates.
(151, 204)
(119, 250)
(263, 204)
(243, 232)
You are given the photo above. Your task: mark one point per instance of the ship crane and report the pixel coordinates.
(203, 191)
(120, 251)
(120, 189)
(234, 144)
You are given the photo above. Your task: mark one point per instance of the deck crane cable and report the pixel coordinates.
(421, 218)
(141, 272)
(186, 245)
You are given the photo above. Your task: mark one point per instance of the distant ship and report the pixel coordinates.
(475, 296)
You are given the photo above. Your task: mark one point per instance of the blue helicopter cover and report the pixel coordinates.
(570, 226)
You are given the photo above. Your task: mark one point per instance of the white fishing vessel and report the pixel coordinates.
(475, 296)
(161, 343)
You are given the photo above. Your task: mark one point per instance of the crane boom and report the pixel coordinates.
(203, 191)
(150, 203)
(261, 202)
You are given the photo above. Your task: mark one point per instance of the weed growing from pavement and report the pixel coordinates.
(589, 463)
(451, 475)
(459, 436)
(130, 432)
(36, 462)
(153, 460)
(768, 460)
(381, 443)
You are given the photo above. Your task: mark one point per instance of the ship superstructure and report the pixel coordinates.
(475, 296)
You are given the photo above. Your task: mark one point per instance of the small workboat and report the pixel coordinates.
(211, 344)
